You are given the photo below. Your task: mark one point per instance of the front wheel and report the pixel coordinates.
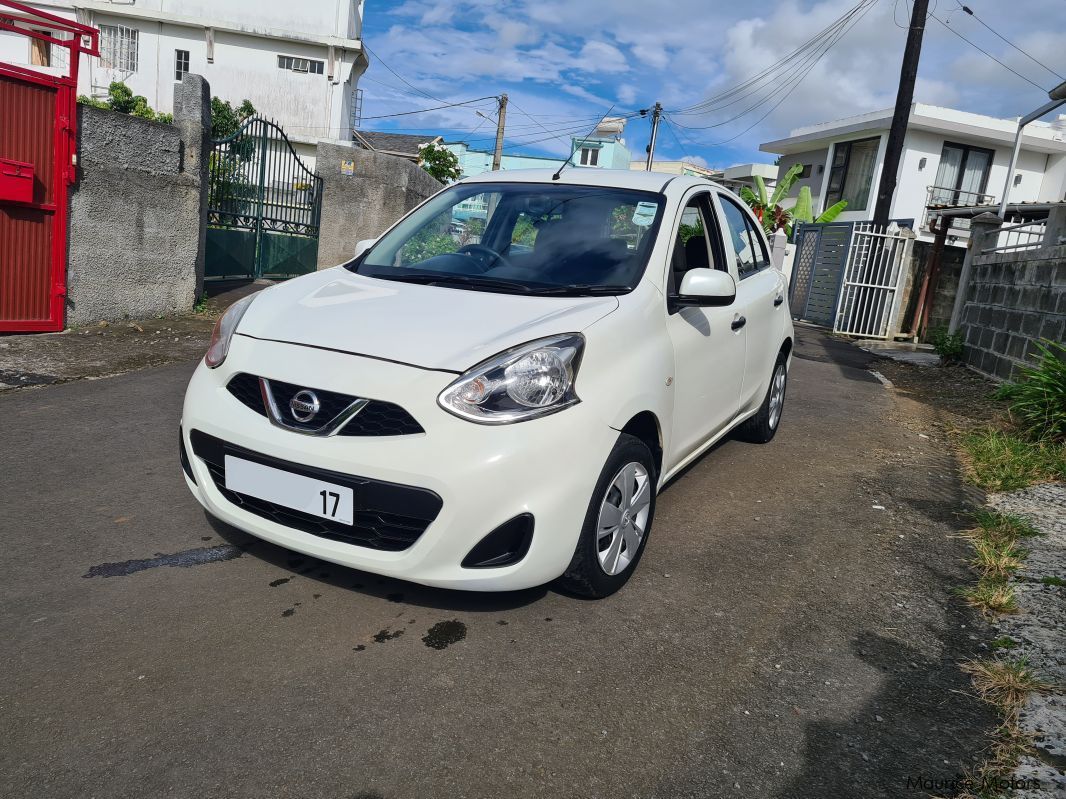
(617, 522)
(761, 427)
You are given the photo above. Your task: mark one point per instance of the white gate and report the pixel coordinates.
(872, 287)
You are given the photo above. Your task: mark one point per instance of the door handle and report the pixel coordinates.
(778, 300)
(738, 323)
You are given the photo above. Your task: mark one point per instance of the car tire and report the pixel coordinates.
(762, 427)
(606, 557)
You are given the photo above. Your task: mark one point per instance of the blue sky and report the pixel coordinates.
(563, 63)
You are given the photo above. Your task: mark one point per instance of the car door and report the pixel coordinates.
(760, 296)
(709, 355)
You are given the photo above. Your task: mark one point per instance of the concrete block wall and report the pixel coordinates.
(1013, 300)
(137, 213)
(362, 205)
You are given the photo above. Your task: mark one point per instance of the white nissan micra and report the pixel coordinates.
(490, 395)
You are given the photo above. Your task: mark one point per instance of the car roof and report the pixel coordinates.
(586, 176)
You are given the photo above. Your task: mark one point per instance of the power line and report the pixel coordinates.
(1019, 74)
(795, 84)
(799, 54)
(401, 77)
(803, 68)
(434, 108)
(1002, 38)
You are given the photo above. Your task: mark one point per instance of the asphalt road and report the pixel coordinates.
(782, 637)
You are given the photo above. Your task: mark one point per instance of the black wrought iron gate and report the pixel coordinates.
(264, 206)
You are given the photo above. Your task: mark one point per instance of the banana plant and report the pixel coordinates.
(767, 207)
(803, 210)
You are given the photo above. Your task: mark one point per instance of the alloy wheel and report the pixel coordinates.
(777, 395)
(623, 518)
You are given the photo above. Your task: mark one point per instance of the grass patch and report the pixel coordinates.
(201, 304)
(996, 559)
(1053, 581)
(1006, 684)
(997, 460)
(1004, 642)
(991, 595)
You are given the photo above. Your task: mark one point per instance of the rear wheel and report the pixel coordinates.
(761, 427)
(617, 522)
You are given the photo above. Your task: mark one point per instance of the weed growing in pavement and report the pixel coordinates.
(995, 540)
(991, 595)
(1004, 642)
(947, 345)
(1006, 685)
(1056, 581)
(997, 460)
(201, 305)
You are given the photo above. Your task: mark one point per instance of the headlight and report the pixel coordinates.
(225, 327)
(522, 383)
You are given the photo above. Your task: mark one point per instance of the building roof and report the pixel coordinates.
(1039, 136)
(402, 144)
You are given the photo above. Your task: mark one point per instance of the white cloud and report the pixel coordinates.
(545, 52)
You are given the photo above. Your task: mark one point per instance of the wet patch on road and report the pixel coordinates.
(444, 633)
(288, 612)
(359, 648)
(17, 379)
(185, 559)
(384, 635)
(279, 581)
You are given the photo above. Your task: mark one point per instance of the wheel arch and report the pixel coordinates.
(645, 426)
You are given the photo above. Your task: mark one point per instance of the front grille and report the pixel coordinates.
(377, 417)
(380, 418)
(388, 516)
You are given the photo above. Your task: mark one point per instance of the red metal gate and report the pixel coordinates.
(38, 146)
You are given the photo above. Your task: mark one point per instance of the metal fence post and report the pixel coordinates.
(982, 228)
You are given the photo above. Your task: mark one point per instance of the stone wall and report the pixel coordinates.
(1012, 300)
(361, 205)
(137, 219)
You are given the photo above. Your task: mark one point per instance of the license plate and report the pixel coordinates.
(307, 494)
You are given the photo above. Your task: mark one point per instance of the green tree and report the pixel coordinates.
(227, 120)
(439, 161)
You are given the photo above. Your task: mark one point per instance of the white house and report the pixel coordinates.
(297, 62)
(949, 158)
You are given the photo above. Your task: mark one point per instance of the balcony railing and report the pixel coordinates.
(953, 198)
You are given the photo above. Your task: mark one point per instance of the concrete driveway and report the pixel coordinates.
(804, 645)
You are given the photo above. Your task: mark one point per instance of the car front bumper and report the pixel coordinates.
(483, 475)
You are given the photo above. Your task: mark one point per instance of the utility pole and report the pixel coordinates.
(904, 97)
(656, 112)
(501, 119)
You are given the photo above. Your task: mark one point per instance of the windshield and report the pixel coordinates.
(529, 238)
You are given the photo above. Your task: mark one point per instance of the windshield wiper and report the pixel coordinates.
(444, 279)
(585, 290)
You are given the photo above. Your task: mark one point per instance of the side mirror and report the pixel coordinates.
(704, 287)
(363, 246)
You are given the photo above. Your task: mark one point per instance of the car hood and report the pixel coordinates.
(427, 326)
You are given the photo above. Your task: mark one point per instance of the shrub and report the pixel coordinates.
(1038, 399)
(947, 345)
(121, 98)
